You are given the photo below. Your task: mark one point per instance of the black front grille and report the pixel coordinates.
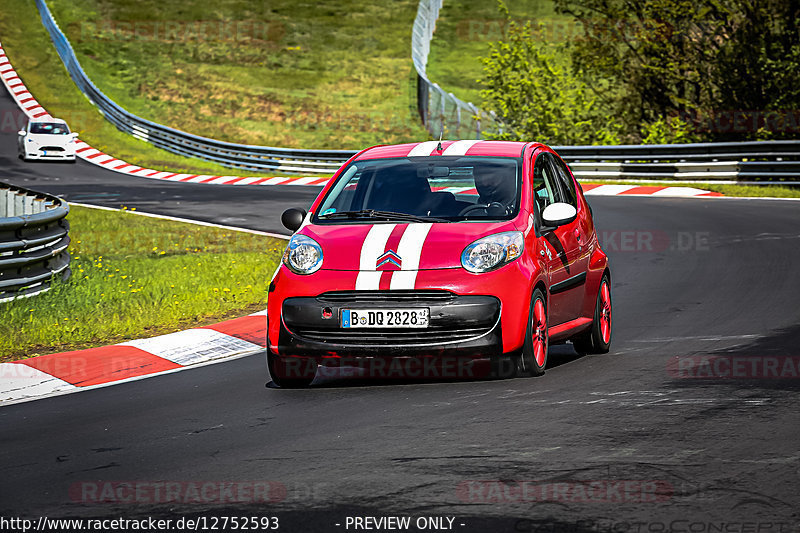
(386, 337)
(51, 149)
(378, 297)
(458, 323)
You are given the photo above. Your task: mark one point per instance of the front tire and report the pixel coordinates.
(532, 360)
(598, 339)
(290, 373)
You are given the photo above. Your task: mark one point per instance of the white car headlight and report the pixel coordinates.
(492, 251)
(303, 255)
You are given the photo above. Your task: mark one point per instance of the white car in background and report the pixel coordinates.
(48, 138)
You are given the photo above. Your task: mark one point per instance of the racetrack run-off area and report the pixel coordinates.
(663, 435)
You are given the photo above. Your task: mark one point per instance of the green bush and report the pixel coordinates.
(536, 96)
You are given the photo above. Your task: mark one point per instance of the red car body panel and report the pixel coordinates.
(350, 253)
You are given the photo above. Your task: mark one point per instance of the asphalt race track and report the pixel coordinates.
(691, 277)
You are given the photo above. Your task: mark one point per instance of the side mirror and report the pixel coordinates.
(293, 218)
(21, 133)
(558, 214)
(73, 135)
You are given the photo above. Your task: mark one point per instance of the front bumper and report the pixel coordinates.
(506, 291)
(50, 155)
(462, 325)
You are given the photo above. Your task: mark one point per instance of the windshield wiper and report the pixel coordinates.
(386, 215)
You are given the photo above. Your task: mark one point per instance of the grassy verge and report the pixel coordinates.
(136, 277)
(32, 53)
(768, 191)
(331, 74)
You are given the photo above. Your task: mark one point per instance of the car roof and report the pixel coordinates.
(47, 120)
(430, 148)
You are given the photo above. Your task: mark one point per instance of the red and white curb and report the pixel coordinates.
(636, 190)
(28, 104)
(67, 372)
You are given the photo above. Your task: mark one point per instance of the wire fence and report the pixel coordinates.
(440, 111)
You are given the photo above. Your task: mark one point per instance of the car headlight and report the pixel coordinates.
(492, 251)
(303, 255)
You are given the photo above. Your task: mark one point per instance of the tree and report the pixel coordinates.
(536, 96)
(699, 60)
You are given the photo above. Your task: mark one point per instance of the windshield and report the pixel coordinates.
(447, 189)
(51, 128)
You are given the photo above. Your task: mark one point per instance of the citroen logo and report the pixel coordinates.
(388, 259)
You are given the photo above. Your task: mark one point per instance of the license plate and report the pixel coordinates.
(385, 318)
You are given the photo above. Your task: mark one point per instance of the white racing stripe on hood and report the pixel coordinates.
(459, 147)
(410, 251)
(374, 245)
(423, 148)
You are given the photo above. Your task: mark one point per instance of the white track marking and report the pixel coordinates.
(187, 220)
(460, 147)
(275, 181)
(609, 190)
(305, 181)
(246, 181)
(20, 382)
(194, 346)
(678, 191)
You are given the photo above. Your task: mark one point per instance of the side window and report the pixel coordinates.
(564, 178)
(545, 188)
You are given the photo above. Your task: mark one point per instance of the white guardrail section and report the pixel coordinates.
(33, 241)
(766, 162)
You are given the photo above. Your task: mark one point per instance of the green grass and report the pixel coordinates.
(32, 53)
(306, 75)
(769, 191)
(325, 74)
(135, 277)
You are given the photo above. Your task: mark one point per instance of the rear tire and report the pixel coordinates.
(532, 360)
(285, 376)
(598, 339)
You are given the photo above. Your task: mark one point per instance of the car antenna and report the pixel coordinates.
(441, 132)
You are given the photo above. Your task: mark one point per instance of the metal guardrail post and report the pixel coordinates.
(34, 237)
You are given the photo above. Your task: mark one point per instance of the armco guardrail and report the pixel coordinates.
(764, 162)
(227, 154)
(34, 236)
(439, 110)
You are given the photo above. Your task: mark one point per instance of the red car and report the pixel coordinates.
(469, 249)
